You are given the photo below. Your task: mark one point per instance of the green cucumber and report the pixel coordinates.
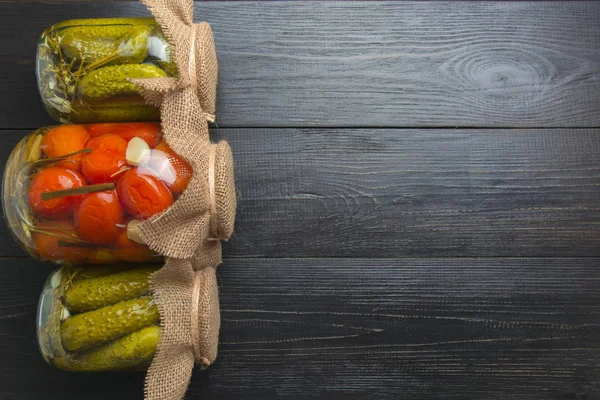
(94, 328)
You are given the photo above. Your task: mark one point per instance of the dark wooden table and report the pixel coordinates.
(419, 202)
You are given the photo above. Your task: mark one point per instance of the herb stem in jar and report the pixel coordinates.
(84, 245)
(125, 169)
(102, 187)
(67, 238)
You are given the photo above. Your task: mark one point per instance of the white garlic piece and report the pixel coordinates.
(138, 151)
(65, 314)
(133, 232)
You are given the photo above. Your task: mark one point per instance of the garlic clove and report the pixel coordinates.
(138, 151)
(133, 232)
(65, 314)
(56, 279)
(35, 150)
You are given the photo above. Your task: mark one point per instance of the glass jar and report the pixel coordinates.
(74, 193)
(83, 66)
(98, 319)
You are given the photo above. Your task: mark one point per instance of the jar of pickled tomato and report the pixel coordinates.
(83, 68)
(74, 193)
(98, 319)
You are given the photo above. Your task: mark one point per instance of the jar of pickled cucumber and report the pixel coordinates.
(98, 319)
(75, 193)
(83, 66)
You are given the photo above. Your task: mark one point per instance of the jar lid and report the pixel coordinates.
(225, 196)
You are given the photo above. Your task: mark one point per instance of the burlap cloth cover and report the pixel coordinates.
(189, 232)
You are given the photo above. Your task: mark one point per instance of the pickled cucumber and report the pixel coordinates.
(169, 67)
(133, 351)
(112, 81)
(84, 331)
(105, 44)
(91, 294)
(74, 78)
(102, 22)
(114, 111)
(79, 273)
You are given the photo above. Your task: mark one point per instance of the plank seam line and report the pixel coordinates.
(465, 258)
(408, 127)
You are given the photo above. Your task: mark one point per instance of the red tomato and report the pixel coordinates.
(101, 129)
(63, 140)
(108, 142)
(55, 248)
(143, 195)
(107, 158)
(100, 166)
(149, 131)
(51, 179)
(132, 251)
(98, 217)
(183, 172)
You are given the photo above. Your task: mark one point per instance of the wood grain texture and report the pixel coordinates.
(359, 329)
(398, 193)
(371, 261)
(393, 64)
(407, 192)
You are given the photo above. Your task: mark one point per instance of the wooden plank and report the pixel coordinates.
(406, 192)
(348, 328)
(393, 64)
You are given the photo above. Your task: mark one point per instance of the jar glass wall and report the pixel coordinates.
(75, 193)
(98, 318)
(83, 68)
